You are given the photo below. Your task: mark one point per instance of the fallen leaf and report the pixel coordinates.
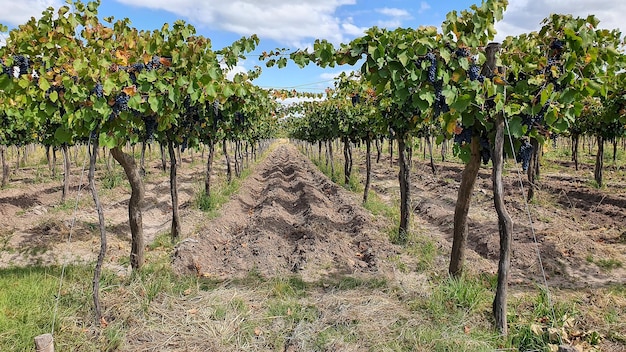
(103, 322)
(257, 331)
(187, 292)
(536, 329)
(192, 311)
(466, 329)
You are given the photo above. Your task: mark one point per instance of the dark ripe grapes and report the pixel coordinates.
(154, 64)
(356, 99)
(432, 69)
(22, 63)
(98, 90)
(557, 44)
(465, 137)
(537, 119)
(485, 149)
(554, 137)
(462, 52)
(121, 102)
(138, 67)
(474, 73)
(183, 145)
(239, 118)
(151, 126)
(524, 154)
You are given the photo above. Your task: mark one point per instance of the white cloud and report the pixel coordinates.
(14, 12)
(423, 7)
(329, 76)
(523, 16)
(289, 22)
(395, 15)
(351, 29)
(239, 68)
(393, 12)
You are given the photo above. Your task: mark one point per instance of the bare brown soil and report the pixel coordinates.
(35, 228)
(287, 218)
(579, 229)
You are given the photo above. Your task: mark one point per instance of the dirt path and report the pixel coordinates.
(287, 218)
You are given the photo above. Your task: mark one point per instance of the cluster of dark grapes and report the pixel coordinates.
(356, 99)
(462, 52)
(465, 137)
(524, 154)
(557, 44)
(21, 65)
(239, 118)
(440, 106)
(151, 126)
(485, 149)
(537, 119)
(432, 69)
(98, 90)
(474, 73)
(554, 137)
(120, 104)
(154, 64)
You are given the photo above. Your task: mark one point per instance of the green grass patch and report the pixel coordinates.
(27, 302)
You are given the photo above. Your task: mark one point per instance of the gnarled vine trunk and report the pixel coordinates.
(163, 157)
(66, 173)
(368, 168)
(429, 144)
(229, 171)
(533, 169)
(347, 155)
(405, 189)
(209, 169)
(332, 161)
(463, 201)
(505, 227)
(575, 144)
(597, 172)
(5, 165)
(175, 228)
(93, 153)
(134, 205)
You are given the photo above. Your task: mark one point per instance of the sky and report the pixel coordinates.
(297, 23)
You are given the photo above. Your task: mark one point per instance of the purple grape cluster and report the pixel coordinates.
(474, 73)
(465, 137)
(524, 154)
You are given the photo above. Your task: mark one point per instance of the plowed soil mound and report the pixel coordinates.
(287, 218)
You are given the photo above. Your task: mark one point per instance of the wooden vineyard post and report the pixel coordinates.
(44, 343)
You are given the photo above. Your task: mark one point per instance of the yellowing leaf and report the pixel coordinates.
(451, 126)
(122, 56)
(130, 90)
